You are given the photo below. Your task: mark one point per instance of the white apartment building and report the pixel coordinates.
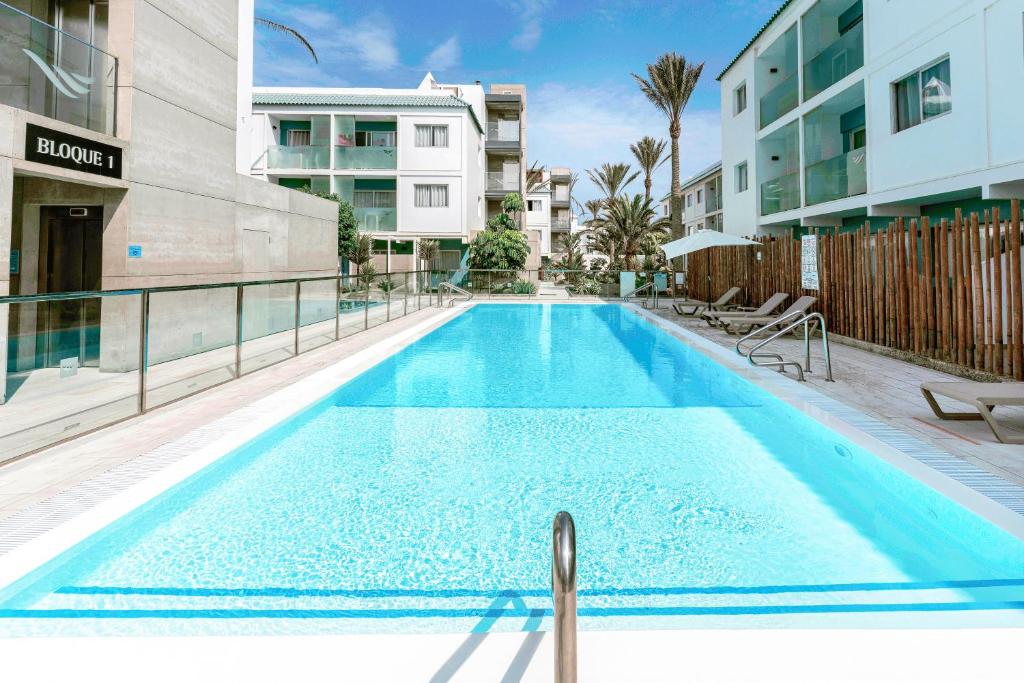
(549, 208)
(841, 111)
(702, 201)
(431, 162)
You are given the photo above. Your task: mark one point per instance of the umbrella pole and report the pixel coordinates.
(708, 297)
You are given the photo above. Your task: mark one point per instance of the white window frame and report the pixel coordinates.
(434, 127)
(430, 188)
(736, 108)
(920, 95)
(745, 185)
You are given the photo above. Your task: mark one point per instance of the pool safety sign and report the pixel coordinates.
(809, 261)
(56, 148)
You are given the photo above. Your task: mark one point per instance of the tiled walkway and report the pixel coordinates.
(888, 389)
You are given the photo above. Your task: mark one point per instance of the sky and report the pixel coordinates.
(583, 106)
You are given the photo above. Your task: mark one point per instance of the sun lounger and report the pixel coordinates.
(983, 396)
(715, 318)
(697, 305)
(747, 323)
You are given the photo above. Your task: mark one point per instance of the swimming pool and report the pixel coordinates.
(418, 497)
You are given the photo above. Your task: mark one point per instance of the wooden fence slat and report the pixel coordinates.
(929, 286)
(978, 306)
(997, 293)
(1017, 304)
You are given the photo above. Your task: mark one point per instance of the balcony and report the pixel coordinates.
(781, 99)
(298, 156)
(780, 194)
(385, 158)
(52, 73)
(838, 177)
(377, 219)
(504, 131)
(560, 225)
(835, 62)
(499, 181)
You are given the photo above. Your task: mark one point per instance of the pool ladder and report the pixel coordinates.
(452, 291)
(653, 294)
(563, 594)
(778, 361)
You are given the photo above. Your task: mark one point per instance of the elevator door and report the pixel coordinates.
(71, 262)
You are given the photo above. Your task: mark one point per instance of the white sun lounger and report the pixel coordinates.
(698, 305)
(714, 318)
(983, 396)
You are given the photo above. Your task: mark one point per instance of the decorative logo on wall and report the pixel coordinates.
(69, 84)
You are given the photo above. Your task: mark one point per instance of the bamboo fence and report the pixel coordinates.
(949, 291)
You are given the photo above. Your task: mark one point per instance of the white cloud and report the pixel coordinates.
(528, 12)
(445, 56)
(584, 127)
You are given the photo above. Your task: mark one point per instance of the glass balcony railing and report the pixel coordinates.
(781, 99)
(298, 156)
(502, 182)
(376, 220)
(365, 157)
(560, 224)
(505, 131)
(780, 194)
(836, 178)
(52, 73)
(835, 62)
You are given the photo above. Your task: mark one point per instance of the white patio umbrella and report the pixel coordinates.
(704, 239)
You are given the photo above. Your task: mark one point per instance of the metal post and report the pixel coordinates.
(387, 299)
(298, 295)
(239, 291)
(563, 590)
(143, 349)
(807, 346)
(366, 307)
(405, 294)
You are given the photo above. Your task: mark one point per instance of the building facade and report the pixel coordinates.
(839, 112)
(549, 208)
(118, 170)
(431, 162)
(702, 201)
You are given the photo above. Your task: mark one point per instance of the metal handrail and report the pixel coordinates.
(755, 332)
(653, 294)
(563, 593)
(639, 289)
(780, 362)
(452, 291)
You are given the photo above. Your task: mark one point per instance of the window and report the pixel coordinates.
(431, 135)
(373, 199)
(700, 196)
(689, 199)
(431, 196)
(298, 138)
(739, 99)
(741, 177)
(923, 95)
(373, 138)
(533, 205)
(449, 259)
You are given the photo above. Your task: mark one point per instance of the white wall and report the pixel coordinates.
(413, 158)
(413, 219)
(738, 142)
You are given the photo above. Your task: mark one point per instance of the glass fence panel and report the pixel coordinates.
(70, 367)
(377, 300)
(365, 157)
(841, 176)
(298, 156)
(316, 313)
(268, 325)
(780, 194)
(351, 307)
(835, 62)
(780, 100)
(190, 342)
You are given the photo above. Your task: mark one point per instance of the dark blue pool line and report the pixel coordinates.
(485, 613)
(275, 592)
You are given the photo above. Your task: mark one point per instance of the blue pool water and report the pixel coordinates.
(419, 497)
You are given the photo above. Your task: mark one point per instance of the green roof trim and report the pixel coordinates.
(364, 100)
(757, 35)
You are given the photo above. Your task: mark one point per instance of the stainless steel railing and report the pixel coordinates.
(452, 291)
(653, 293)
(810, 323)
(563, 593)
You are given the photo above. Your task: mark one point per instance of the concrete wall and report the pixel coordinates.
(431, 220)
(413, 158)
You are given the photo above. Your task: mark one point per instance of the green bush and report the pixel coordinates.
(524, 287)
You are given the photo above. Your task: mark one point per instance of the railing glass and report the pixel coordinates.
(52, 73)
(298, 156)
(779, 100)
(780, 194)
(503, 131)
(366, 157)
(499, 180)
(836, 178)
(377, 219)
(835, 62)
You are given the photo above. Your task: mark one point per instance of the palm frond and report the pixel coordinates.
(289, 31)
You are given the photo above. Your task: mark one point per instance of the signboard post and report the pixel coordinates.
(809, 261)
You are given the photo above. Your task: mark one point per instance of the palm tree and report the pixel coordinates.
(288, 31)
(670, 82)
(650, 154)
(629, 223)
(361, 253)
(612, 179)
(428, 250)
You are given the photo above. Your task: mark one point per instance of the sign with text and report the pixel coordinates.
(809, 261)
(55, 148)
(15, 261)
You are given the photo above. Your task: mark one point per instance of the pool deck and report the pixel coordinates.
(889, 390)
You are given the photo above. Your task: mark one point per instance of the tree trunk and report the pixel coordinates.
(677, 195)
(647, 186)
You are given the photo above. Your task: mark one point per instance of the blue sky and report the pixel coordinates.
(575, 58)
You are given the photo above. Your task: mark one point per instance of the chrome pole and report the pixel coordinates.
(387, 299)
(405, 294)
(298, 295)
(239, 292)
(563, 589)
(143, 349)
(337, 309)
(366, 307)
